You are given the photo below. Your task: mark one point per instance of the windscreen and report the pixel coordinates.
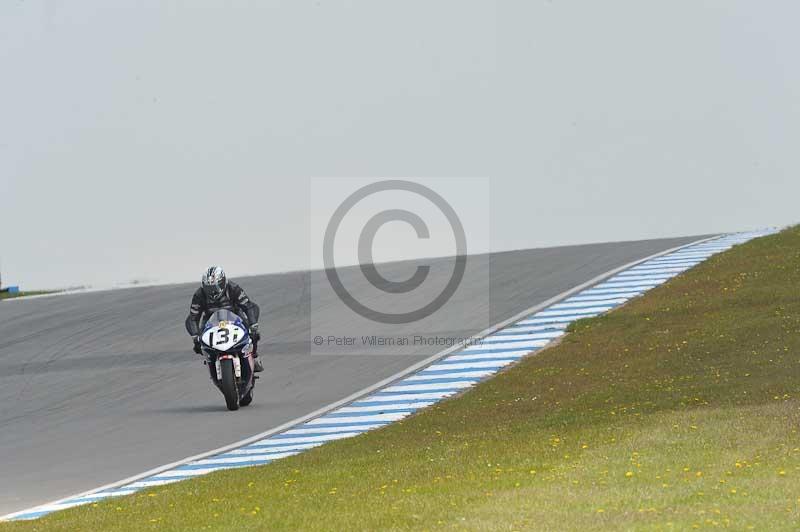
(222, 315)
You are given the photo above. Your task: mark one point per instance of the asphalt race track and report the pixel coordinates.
(97, 387)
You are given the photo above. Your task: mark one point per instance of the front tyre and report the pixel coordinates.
(229, 389)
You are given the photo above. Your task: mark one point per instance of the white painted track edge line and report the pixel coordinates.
(369, 389)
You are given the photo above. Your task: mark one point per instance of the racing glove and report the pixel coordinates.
(196, 345)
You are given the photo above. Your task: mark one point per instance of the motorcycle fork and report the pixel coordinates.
(237, 365)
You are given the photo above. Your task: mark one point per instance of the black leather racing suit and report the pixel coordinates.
(233, 298)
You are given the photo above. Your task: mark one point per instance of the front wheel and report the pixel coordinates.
(229, 389)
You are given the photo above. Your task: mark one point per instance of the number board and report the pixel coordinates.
(223, 338)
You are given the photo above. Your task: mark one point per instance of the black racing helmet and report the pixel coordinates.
(214, 282)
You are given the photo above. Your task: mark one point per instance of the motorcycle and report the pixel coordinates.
(228, 350)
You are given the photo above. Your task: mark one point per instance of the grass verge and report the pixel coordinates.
(7, 295)
(678, 411)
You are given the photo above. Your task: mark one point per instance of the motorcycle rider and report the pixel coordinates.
(215, 293)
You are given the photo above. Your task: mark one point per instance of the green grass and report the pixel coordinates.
(6, 295)
(678, 411)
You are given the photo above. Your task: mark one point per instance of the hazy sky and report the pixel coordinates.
(144, 140)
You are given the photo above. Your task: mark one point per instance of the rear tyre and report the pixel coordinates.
(229, 389)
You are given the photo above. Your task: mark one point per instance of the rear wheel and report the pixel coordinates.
(229, 389)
